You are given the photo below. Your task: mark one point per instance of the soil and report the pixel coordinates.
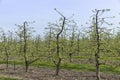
(35, 73)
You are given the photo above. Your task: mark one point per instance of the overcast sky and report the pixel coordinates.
(42, 11)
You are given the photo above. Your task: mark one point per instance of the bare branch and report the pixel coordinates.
(59, 13)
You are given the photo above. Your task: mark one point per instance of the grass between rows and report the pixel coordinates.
(8, 78)
(71, 66)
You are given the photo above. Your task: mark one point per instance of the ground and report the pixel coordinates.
(35, 73)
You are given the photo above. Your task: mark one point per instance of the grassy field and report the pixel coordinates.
(106, 68)
(8, 78)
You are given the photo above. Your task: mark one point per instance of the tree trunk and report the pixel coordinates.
(57, 63)
(98, 48)
(26, 65)
(58, 66)
(70, 57)
(7, 57)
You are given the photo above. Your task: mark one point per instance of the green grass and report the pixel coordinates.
(43, 64)
(71, 66)
(83, 67)
(110, 58)
(8, 78)
(110, 69)
(12, 62)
